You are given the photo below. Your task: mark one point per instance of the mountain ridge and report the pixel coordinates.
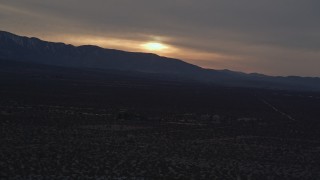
(26, 49)
(89, 56)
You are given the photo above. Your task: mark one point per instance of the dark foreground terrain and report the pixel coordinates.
(72, 124)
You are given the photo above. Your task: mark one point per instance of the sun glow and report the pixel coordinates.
(154, 46)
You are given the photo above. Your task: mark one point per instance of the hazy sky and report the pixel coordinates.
(276, 37)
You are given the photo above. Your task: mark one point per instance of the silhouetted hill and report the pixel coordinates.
(33, 50)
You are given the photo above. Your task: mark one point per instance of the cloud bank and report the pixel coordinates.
(272, 37)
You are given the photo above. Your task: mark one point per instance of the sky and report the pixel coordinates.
(274, 37)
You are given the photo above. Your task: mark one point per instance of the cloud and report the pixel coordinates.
(274, 37)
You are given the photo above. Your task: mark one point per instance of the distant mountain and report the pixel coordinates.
(34, 50)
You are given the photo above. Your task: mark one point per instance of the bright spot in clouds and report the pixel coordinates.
(154, 46)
